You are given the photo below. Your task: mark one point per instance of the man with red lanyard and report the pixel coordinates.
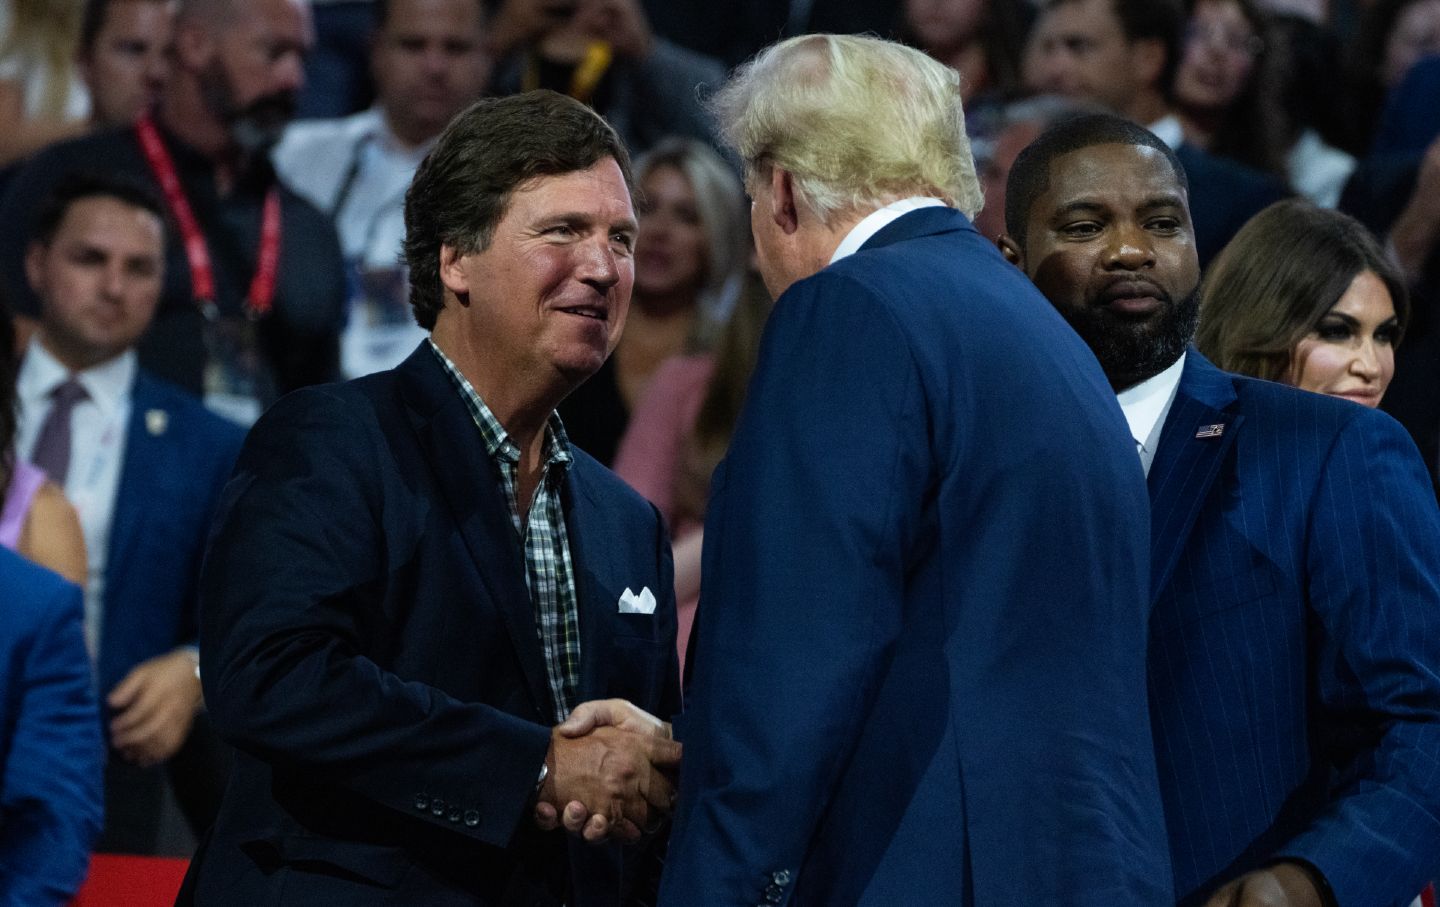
(254, 292)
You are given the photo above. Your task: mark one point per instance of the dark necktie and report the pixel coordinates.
(52, 446)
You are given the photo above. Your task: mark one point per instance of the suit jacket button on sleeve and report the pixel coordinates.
(773, 893)
(453, 815)
(437, 807)
(422, 802)
(472, 818)
(781, 878)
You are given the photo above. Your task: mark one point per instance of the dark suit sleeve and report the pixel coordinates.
(1373, 563)
(293, 607)
(52, 804)
(807, 536)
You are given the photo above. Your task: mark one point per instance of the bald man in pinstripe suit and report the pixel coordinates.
(1295, 543)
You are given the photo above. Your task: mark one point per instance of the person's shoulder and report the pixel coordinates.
(599, 481)
(1307, 423)
(1214, 172)
(180, 410)
(30, 592)
(320, 135)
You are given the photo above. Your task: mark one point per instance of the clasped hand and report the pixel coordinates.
(611, 771)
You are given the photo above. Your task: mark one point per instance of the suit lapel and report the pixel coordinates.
(590, 593)
(1198, 432)
(451, 442)
(144, 457)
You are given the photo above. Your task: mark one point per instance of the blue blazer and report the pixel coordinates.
(1295, 640)
(177, 457)
(51, 757)
(368, 645)
(919, 674)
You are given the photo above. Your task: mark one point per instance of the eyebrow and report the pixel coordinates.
(577, 219)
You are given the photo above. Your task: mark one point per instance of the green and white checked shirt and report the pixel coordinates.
(548, 570)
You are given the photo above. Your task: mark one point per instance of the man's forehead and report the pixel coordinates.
(102, 217)
(600, 186)
(1110, 168)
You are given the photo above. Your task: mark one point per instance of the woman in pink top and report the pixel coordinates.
(35, 519)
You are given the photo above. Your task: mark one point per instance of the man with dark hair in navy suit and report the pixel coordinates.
(415, 578)
(1295, 559)
(143, 463)
(919, 666)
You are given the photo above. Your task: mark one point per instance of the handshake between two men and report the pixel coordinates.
(611, 771)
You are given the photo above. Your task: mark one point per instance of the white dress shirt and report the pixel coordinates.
(97, 446)
(1145, 407)
(1169, 130)
(357, 170)
(878, 220)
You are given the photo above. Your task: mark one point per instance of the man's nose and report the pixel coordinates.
(1130, 248)
(289, 72)
(598, 266)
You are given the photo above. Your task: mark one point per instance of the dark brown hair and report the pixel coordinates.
(1277, 278)
(463, 188)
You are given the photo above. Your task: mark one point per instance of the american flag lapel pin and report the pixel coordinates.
(1210, 431)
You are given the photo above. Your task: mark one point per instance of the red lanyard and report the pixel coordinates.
(202, 273)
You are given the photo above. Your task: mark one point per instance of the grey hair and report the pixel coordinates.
(857, 121)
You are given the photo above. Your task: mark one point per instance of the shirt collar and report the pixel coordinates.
(1168, 130)
(878, 220)
(1146, 404)
(497, 441)
(107, 384)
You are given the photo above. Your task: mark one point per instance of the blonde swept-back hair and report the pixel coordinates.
(858, 122)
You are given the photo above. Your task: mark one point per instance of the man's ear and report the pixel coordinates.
(452, 274)
(1011, 250)
(34, 270)
(1147, 59)
(784, 208)
(194, 46)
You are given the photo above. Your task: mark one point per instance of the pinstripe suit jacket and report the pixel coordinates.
(1295, 640)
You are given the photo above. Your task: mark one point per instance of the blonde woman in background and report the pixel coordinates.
(42, 98)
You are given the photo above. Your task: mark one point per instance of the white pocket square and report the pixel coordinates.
(644, 603)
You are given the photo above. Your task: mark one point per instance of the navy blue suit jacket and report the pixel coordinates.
(177, 457)
(1295, 640)
(369, 646)
(51, 758)
(919, 674)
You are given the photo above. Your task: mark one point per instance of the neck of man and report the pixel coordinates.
(1148, 106)
(1200, 124)
(523, 409)
(76, 359)
(183, 111)
(408, 135)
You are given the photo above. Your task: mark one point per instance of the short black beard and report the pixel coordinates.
(254, 128)
(1132, 350)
